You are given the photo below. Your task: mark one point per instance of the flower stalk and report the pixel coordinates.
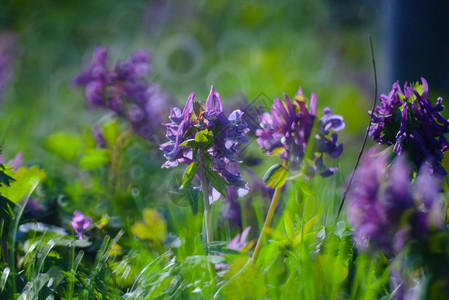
(269, 218)
(207, 207)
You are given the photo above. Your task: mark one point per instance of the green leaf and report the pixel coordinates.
(5, 179)
(6, 209)
(289, 227)
(204, 138)
(111, 132)
(153, 228)
(64, 144)
(275, 176)
(190, 131)
(217, 182)
(190, 173)
(4, 278)
(94, 158)
(190, 143)
(25, 180)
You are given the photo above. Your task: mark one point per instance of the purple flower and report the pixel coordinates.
(387, 209)
(227, 134)
(407, 120)
(7, 51)
(125, 90)
(99, 137)
(80, 223)
(288, 129)
(233, 211)
(237, 243)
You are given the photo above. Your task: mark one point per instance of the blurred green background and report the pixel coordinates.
(241, 47)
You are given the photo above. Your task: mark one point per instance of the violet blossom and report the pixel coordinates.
(80, 223)
(239, 242)
(7, 51)
(388, 210)
(125, 90)
(287, 131)
(228, 133)
(408, 120)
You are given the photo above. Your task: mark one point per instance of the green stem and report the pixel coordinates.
(266, 225)
(15, 228)
(207, 206)
(268, 219)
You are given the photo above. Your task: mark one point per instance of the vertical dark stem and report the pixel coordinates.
(366, 133)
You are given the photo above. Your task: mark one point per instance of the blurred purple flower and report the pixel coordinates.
(237, 243)
(99, 137)
(7, 53)
(80, 223)
(233, 210)
(407, 120)
(387, 210)
(228, 133)
(288, 128)
(125, 90)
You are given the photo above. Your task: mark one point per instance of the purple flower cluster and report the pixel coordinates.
(287, 130)
(228, 133)
(80, 223)
(125, 90)
(387, 210)
(407, 119)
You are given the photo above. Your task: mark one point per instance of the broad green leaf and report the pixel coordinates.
(111, 132)
(153, 227)
(190, 173)
(217, 182)
(25, 180)
(64, 144)
(94, 158)
(275, 176)
(204, 138)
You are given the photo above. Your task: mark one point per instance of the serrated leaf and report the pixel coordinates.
(275, 176)
(190, 173)
(217, 182)
(6, 209)
(64, 144)
(94, 158)
(25, 180)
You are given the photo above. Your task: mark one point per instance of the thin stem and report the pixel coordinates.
(207, 210)
(15, 228)
(366, 133)
(268, 219)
